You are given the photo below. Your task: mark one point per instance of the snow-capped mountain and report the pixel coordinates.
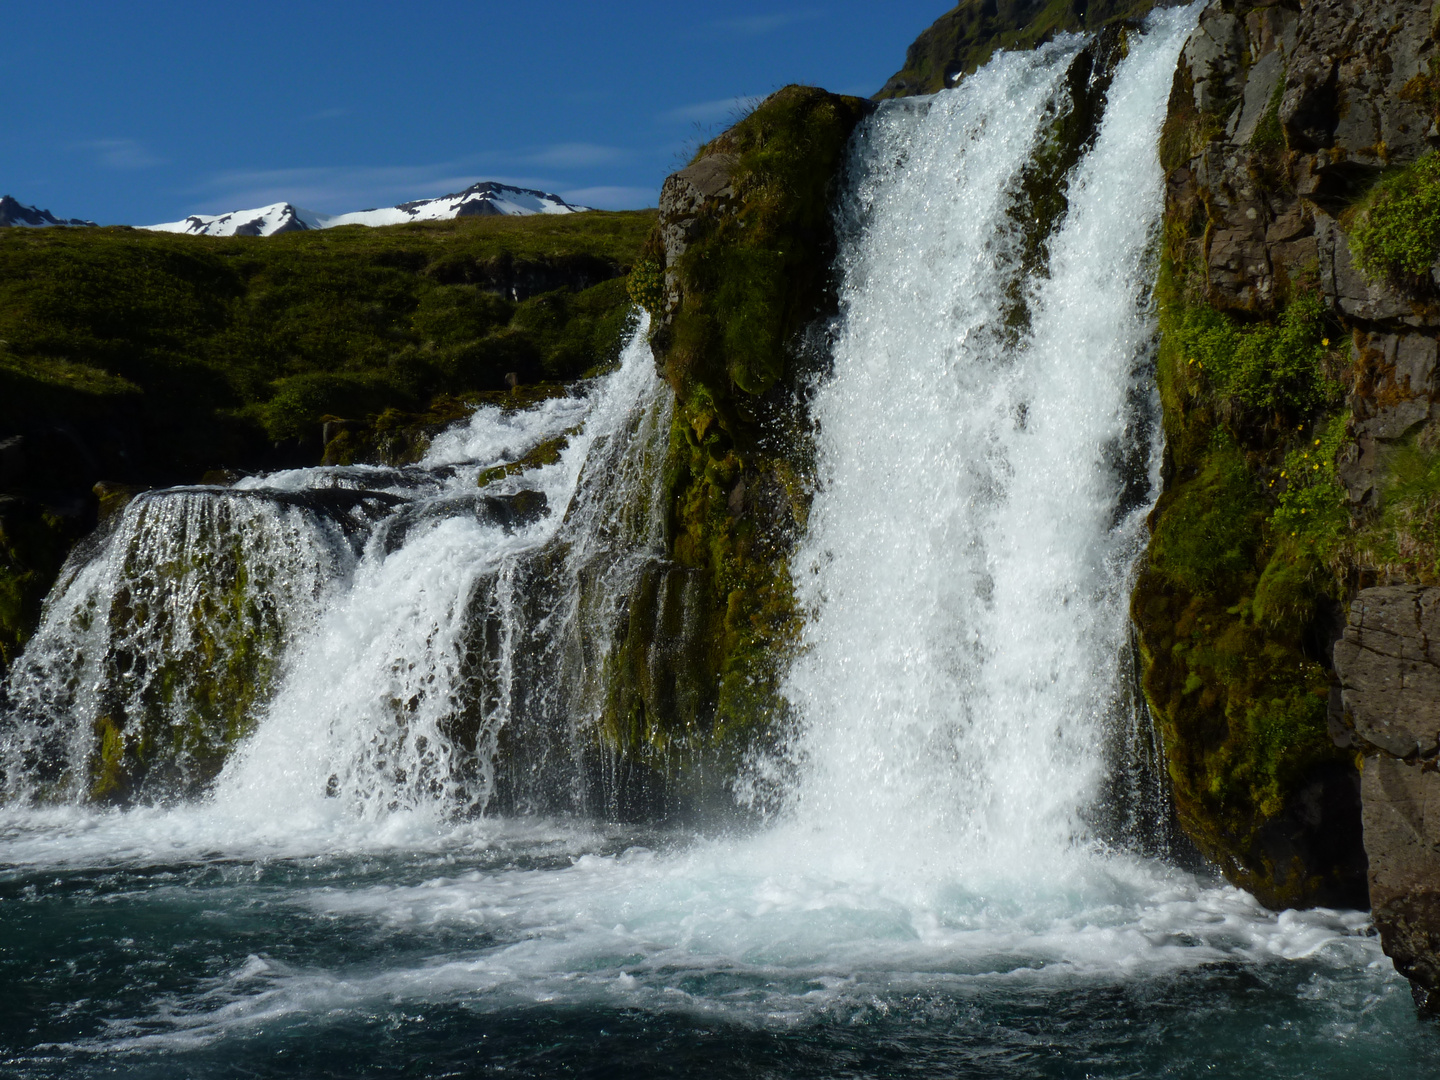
(479, 200)
(266, 221)
(14, 212)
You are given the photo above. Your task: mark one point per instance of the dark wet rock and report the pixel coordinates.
(508, 512)
(1388, 664)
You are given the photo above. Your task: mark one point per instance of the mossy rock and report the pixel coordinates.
(736, 275)
(1235, 606)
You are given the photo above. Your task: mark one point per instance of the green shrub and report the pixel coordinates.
(1396, 233)
(298, 401)
(646, 285)
(1270, 367)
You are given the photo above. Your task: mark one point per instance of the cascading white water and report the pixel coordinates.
(371, 713)
(967, 562)
(189, 579)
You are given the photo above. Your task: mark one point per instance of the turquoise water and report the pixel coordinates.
(538, 950)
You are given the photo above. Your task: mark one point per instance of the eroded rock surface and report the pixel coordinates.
(1388, 663)
(1283, 115)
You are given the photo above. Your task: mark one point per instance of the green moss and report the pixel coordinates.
(1395, 233)
(212, 639)
(547, 453)
(1207, 531)
(1246, 539)
(1268, 149)
(695, 694)
(1424, 89)
(752, 279)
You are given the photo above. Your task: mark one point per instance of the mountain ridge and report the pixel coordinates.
(486, 198)
(13, 212)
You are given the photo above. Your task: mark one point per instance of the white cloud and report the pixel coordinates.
(759, 25)
(122, 153)
(573, 155)
(708, 112)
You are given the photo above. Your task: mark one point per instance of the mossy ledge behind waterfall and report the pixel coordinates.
(737, 276)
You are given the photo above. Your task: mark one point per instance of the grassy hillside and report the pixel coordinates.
(208, 348)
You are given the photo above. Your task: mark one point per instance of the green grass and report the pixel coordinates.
(1404, 540)
(221, 345)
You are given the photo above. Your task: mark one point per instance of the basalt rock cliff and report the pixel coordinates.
(1297, 373)
(737, 277)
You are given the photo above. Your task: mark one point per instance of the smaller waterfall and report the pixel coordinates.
(164, 644)
(366, 636)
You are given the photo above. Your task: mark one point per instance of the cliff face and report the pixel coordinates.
(1297, 371)
(1388, 663)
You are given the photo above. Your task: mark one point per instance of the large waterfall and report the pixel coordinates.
(968, 558)
(400, 871)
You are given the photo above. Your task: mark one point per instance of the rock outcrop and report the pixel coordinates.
(737, 276)
(1388, 664)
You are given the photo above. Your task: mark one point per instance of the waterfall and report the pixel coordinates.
(985, 441)
(951, 883)
(370, 636)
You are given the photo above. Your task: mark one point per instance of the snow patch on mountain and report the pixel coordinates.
(264, 221)
(485, 199)
(14, 212)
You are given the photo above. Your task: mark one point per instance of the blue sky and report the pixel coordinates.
(146, 111)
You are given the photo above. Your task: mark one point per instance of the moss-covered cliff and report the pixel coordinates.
(738, 278)
(1296, 373)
